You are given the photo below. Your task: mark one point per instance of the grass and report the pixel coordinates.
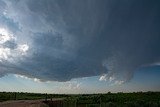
(138, 99)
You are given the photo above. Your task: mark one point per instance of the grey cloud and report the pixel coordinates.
(10, 44)
(73, 39)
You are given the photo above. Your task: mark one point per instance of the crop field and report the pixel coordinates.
(138, 99)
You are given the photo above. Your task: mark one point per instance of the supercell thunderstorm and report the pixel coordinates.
(60, 40)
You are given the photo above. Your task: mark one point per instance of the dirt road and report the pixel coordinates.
(26, 103)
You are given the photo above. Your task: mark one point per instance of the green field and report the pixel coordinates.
(138, 99)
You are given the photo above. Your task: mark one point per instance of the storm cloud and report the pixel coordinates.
(58, 40)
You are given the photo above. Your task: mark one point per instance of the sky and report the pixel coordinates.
(79, 46)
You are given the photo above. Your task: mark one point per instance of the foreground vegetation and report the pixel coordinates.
(139, 99)
(5, 96)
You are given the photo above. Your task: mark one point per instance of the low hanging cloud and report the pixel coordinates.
(58, 40)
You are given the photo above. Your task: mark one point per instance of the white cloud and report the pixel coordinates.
(156, 63)
(9, 52)
(118, 82)
(103, 77)
(23, 48)
(74, 85)
(111, 79)
(5, 36)
(27, 78)
(4, 53)
(106, 77)
(69, 87)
